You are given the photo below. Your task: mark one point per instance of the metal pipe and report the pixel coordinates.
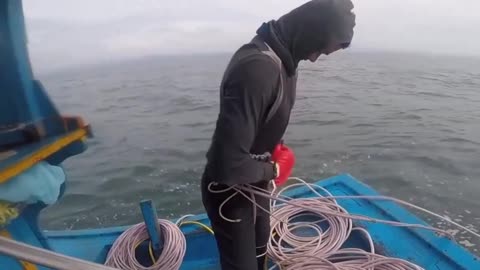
(45, 257)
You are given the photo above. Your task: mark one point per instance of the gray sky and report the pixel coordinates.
(72, 32)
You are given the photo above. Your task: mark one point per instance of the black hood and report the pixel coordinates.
(309, 29)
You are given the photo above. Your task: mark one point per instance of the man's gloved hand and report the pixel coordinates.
(284, 158)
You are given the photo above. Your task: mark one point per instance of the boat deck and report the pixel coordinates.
(421, 247)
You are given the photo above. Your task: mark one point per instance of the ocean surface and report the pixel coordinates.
(406, 124)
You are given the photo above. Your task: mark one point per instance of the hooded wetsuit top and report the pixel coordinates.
(250, 87)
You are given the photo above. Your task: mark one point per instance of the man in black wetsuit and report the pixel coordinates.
(257, 94)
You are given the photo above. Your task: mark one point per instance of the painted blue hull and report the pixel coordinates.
(418, 246)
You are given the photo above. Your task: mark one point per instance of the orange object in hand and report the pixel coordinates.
(284, 158)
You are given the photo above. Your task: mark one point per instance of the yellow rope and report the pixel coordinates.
(7, 213)
(198, 224)
(150, 251)
(150, 248)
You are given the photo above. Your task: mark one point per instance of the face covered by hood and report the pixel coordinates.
(309, 29)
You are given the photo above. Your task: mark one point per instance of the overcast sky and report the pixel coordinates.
(72, 32)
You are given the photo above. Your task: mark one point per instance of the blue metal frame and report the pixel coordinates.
(23, 99)
(15, 72)
(26, 115)
(26, 111)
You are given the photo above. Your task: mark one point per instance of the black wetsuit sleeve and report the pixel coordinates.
(248, 93)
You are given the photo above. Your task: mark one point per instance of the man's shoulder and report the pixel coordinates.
(250, 60)
(250, 55)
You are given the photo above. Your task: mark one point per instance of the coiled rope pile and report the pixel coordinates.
(122, 253)
(323, 248)
(329, 226)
